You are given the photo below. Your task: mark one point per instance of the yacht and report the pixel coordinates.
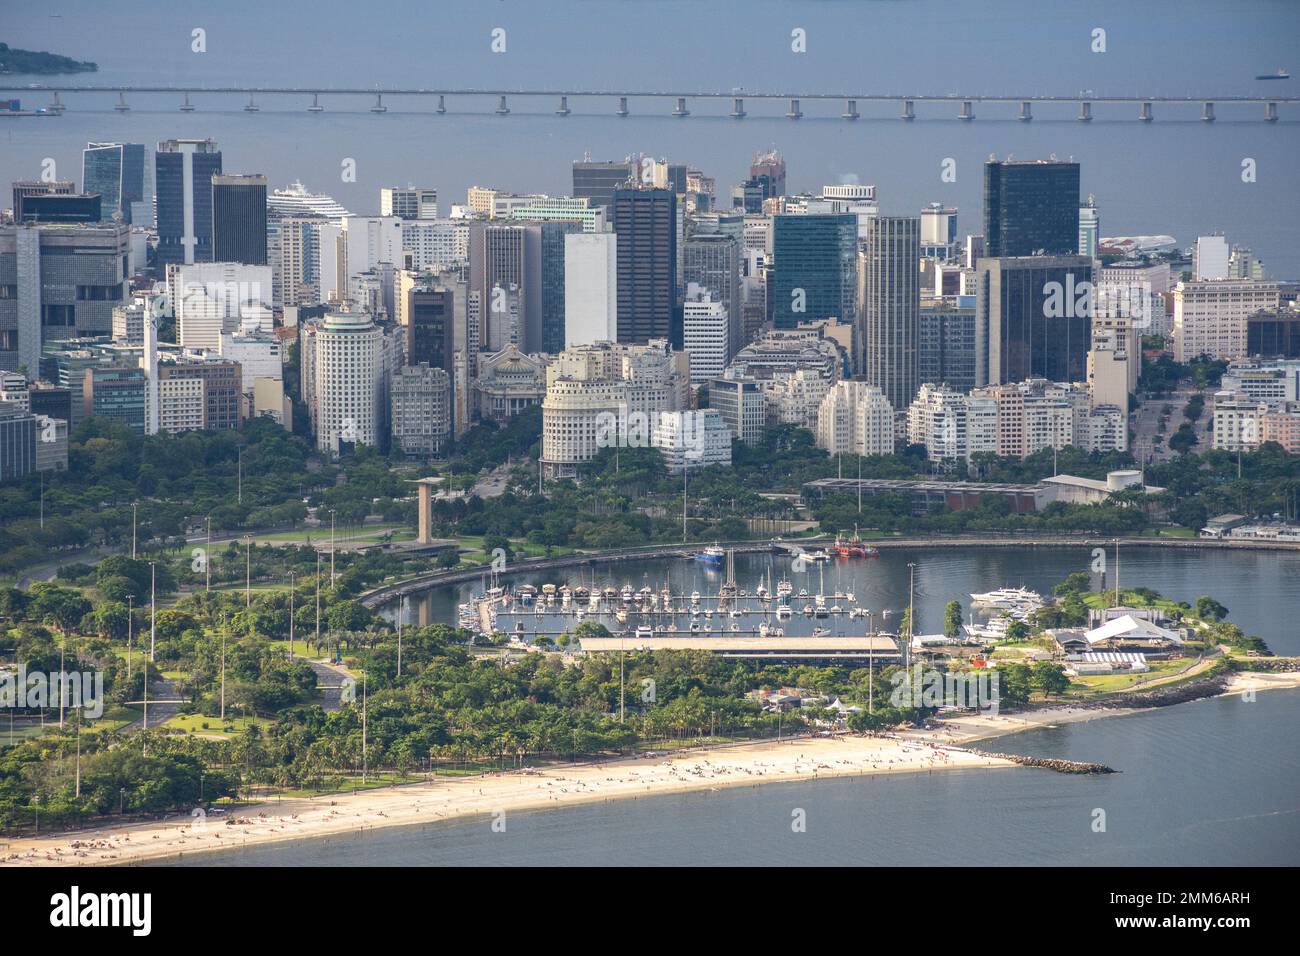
(807, 609)
(548, 592)
(695, 597)
(783, 612)
(783, 588)
(643, 632)
(526, 593)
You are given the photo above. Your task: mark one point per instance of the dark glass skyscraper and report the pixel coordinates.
(645, 221)
(813, 269)
(116, 172)
(597, 181)
(430, 321)
(1031, 208)
(1033, 319)
(183, 171)
(239, 219)
(553, 233)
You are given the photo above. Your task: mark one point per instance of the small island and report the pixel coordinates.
(26, 61)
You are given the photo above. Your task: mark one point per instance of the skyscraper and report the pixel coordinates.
(239, 219)
(116, 172)
(1031, 208)
(645, 222)
(712, 261)
(505, 272)
(429, 326)
(813, 269)
(769, 169)
(890, 307)
(1033, 319)
(597, 181)
(183, 171)
(591, 293)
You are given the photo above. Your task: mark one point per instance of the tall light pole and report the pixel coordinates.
(133, 507)
(248, 571)
(240, 476)
(223, 668)
(331, 547)
(207, 561)
(130, 615)
(153, 610)
(401, 613)
(318, 602)
(291, 616)
(911, 613)
(364, 756)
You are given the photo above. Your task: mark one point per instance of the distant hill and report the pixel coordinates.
(25, 61)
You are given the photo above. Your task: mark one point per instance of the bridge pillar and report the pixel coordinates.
(1026, 113)
(56, 106)
(966, 112)
(379, 106)
(121, 106)
(1270, 110)
(1145, 116)
(622, 106)
(1207, 113)
(564, 107)
(850, 110)
(737, 107)
(681, 109)
(909, 110)
(794, 112)
(1085, 112)
(502, 108)
(186, 107)
(315, 104)
(442, 104)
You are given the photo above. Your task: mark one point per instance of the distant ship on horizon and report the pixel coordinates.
(1281, 74)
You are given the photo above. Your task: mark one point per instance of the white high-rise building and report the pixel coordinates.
(1212, 255)
(951, 425)
(857, 419)
(259, 354)
(421, 410)
(706, 334)
(408, 202)
(1238, 421)
(210, 298)
(1089, 228)
(1210, 317)
(590, 288)
(604, 394)
(692, 439)
(348, 381)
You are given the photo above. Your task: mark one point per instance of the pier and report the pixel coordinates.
(622, 103)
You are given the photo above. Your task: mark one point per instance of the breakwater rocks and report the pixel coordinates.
(1060, 766)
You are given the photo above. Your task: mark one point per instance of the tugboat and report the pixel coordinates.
(853, 547)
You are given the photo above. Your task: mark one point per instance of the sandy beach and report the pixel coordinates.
(489, 796)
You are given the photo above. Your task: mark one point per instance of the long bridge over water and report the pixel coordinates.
(656, 102)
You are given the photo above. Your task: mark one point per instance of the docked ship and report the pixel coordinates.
(1281, 74)
(713, 557)
(853, 547)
